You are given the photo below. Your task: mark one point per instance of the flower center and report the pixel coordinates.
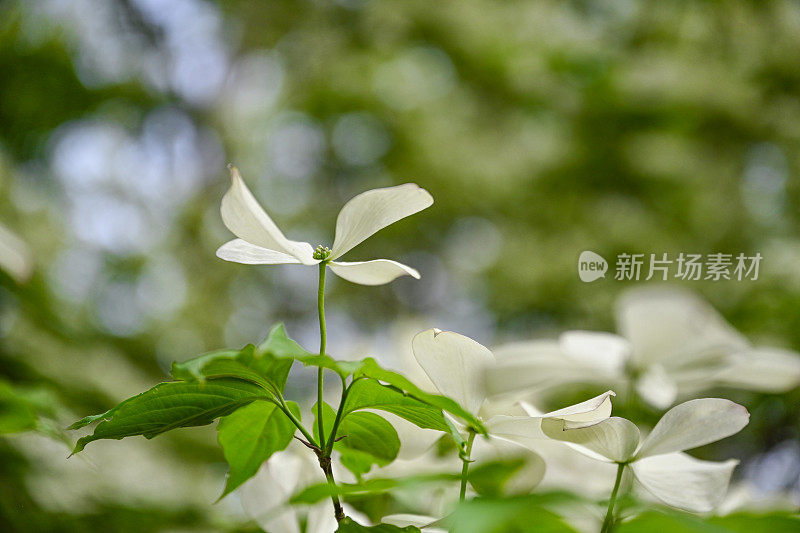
(322, 253)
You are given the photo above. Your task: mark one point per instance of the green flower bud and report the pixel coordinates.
(322, 253)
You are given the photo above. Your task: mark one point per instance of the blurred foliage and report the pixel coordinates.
(349, 526)
(510, 515)
(735, 523)
(542, 128)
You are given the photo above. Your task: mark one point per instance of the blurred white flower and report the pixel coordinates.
(260, 242)
(746, 497)
(672, 344)
(265, 497)
(680, 346)
(658, 463)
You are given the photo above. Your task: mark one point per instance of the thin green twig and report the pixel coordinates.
(322, 347)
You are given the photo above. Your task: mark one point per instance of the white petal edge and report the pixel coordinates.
(527, 430)
(684, 482)
(614, 438)
(239, 251)
(694, 423)
(455, 364)
(373, 210)
(589, 412)
(375, 272)
(243, 215)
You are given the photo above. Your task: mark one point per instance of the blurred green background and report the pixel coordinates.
(542, 129)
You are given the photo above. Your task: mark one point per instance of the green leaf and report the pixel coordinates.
(259, 366)
(20, 408)
(321, 491)
(371, 369)
(250, 435)
(279, 345)
(677, 522)
(168, 406)
(366, 439)
(668, 522)
(31, 408)
(349, 526)
(343, 368)
(369, 394)
(758, 523)
(507, 515)
(489, 479)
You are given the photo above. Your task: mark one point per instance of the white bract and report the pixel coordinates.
(456, 365)
(671, 344)
(265, 497)
(658, 463)
(260, 242)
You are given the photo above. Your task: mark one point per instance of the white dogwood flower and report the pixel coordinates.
(456, 364)
(260, 242)
(671, 344)
(657, 462)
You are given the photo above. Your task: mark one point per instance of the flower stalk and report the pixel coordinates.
(608, 523)
(322, 347)
(324, 454)
(465, 458)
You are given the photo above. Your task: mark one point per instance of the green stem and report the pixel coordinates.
(339, 414)
(608, 523)
(282, 406)
(465, 468)
(325, 451)
(325, 463)
(322, 342)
